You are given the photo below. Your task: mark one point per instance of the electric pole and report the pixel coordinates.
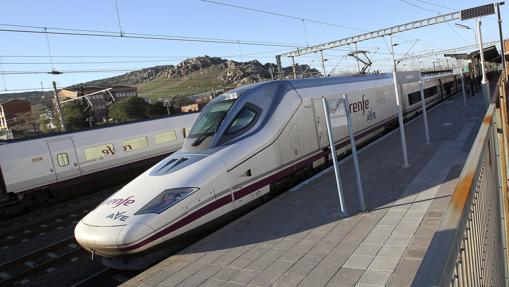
(485, 85)
(59, 108)
(166, 103)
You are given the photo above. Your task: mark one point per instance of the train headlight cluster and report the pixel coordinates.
(166, 199)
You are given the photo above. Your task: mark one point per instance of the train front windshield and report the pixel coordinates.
(208, 123)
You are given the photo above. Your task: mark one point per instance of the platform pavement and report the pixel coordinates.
(298, 238)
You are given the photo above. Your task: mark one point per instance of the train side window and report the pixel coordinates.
(62, 159)
(246, 118)
(165, 137)
(99, 151)
(414, 97)
(135, 143)
(243, 119)
(429, 92)
(185, 132)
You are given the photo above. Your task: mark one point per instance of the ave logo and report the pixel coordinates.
(371, 115)
(118, 216)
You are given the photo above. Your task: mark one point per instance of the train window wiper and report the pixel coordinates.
(203, 136)
(209, 131)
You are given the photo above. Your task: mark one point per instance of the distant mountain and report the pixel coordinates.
(195, 75)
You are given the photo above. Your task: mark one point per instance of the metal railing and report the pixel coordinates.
(469, 247)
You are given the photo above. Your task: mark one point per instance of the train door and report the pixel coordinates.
(65, 161)
(440, 90)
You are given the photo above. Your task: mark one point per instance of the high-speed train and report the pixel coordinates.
(242, 144)
(38, 166)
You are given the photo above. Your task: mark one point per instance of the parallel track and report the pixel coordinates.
(32, 225)
(23, 267)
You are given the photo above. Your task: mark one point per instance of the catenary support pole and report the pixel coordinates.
(424, 112)
(360, 191)
(343, 211)
(293, 68)
(501, 37)
(358, 65)
(463, 89)
(279, 67)
(59, 108)
(485, 85)
(323, 63)
(400, 111)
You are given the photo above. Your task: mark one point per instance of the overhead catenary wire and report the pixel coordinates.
(283, 15)
(417, 6)
(436, 12)
(436, 5)
(3, 76)
(299, 18)
(14, 28)
(49, 49)
(118, 19)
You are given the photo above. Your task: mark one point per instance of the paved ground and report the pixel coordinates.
(298, 239)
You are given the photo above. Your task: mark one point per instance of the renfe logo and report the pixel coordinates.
(116, 202)
(362, 105)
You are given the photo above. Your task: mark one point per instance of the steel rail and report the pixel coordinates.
(43, 253)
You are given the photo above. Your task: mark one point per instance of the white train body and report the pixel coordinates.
(38, 163)
(266, 132)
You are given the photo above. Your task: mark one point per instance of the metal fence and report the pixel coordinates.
(469, 247)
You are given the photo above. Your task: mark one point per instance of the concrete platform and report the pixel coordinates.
(298, 239)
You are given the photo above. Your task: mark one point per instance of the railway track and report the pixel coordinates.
(42, 242)
(30, 226)
(60, 208)
(20, 269)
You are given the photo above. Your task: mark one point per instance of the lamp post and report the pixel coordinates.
(400, 111)
(485, 85)
(474, 73)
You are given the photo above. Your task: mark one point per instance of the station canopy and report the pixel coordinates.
(491, 54)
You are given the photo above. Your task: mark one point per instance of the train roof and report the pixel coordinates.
(105, 126)
(313, 82)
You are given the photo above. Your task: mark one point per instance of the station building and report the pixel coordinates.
(100, 98)
(14, 113)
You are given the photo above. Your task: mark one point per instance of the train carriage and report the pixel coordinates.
(42, 164)
(243, 144)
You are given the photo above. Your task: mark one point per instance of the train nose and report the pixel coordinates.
(110, 240)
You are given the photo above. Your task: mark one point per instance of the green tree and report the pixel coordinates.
(44, 124)
(75, 116)
(156, 110)
(128, 109)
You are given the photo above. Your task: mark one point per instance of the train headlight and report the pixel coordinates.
(166, 199)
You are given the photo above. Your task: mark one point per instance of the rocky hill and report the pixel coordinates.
(192, 76)
(196, 75)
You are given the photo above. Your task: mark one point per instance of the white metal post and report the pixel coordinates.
(463, 89)
(400, 112)
(485, 86)
(294, 69)
(424, 112)
(334, 158)
(59, 107)
(360, 191)
(323, 63)
(502, 48)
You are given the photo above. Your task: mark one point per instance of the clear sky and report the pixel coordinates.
(195, 18)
